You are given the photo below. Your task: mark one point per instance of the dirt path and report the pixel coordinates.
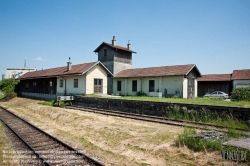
(112, 140)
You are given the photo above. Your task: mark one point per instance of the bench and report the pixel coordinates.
(63, 98)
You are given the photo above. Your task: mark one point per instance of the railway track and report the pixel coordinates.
(48, 149)
(162, 120)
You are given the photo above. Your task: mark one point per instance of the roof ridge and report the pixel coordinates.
(66, 66)
(241, 69)
(214, 74)
(160, 66)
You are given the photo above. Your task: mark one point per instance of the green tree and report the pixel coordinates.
(9, 85)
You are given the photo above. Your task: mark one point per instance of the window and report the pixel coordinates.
(119, 86)
(27, 85)
(34, 83)
(61, 83)
(50, 84)
(75, 83)
(134, 85)
(151, 85)
(97, 81)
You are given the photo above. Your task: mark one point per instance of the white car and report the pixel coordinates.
(217, 94)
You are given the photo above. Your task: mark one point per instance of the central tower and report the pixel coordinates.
(115, 58)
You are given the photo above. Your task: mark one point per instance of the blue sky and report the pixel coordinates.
(214, 35)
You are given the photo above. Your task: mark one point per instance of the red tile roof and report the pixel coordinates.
(215, 77)
(116, 46)
(59, 71)
(241, 74)
(157, 71)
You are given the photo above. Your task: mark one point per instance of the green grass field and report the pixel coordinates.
(202, 101)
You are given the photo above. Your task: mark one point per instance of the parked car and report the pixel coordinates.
(217, 94)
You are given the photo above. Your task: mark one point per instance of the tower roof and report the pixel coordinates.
(115, 46)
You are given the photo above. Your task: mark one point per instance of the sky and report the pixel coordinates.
(213, 34)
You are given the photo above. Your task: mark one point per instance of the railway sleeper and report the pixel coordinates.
(60, 159)
(39, 141)
(37, 137)
(23, 129)
(50, 147)
(70, 161)
(43, 145)
(30, 133)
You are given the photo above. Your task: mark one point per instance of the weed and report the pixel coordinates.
(205, 115)
(195, 143)
(232, 133)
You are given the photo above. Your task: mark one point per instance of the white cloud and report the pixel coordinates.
(39, 59)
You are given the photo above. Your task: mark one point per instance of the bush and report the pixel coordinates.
(240, 94)
(9, 85)
(141, 94)
(9, 96)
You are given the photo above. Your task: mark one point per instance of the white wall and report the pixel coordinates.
(98, 72)
(196, 87)
(240, 82)
(70, 85)
(185, 88)
(171, 83)
(16, 73)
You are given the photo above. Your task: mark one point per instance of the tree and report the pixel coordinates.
(9, 85)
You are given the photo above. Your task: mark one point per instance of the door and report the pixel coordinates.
(98, 86)
(191, 88)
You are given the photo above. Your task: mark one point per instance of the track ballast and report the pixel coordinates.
(47, 148)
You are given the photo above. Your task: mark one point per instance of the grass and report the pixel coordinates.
(200, 144)
(205, 115)
(197, 144)
(201, 101)
(1, 95)
(50, 103)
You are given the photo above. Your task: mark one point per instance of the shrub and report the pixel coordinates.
(140, 93)
(9, 96)
(9, 85)
(240, 94)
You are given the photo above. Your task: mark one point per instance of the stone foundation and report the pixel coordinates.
(157, 108)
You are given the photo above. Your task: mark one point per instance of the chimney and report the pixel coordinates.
(113, 41)
(128, 45)
(69, 64)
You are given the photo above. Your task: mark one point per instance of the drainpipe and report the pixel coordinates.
(141, 85)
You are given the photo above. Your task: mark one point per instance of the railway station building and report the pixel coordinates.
(111, 74)
(78, 79)
(168, 81)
